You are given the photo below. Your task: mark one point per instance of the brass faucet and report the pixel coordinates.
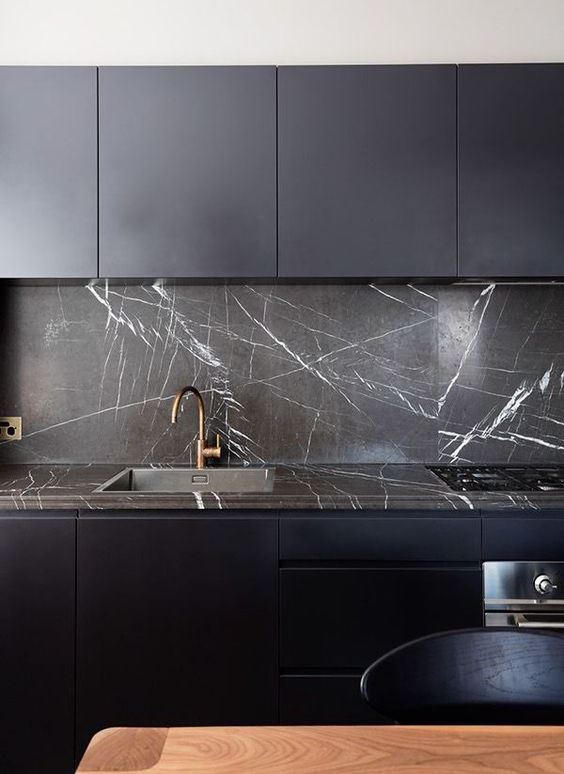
(203, 452)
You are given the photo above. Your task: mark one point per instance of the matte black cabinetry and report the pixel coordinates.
(367, 171)
(232, 619)
(325, 698)
(365, 159)
(511, 125)
(188, 171)
(521, 538)
(347, 617)
(353, 588)
(37, 604)
(48, 195)
(419, 536)
(176, 621)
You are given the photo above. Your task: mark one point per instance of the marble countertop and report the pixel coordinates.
(296, 487)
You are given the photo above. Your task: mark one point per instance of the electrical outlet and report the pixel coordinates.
(10, 428)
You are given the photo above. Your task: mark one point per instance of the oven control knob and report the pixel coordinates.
(544, 585)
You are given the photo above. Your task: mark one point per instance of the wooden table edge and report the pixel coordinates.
(140, 749)
(133, 750)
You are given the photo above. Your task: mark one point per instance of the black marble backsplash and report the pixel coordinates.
(301, 374)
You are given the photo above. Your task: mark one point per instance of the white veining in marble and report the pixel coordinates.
(504, 400)
(295, 374)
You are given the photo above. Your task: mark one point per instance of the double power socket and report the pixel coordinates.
(10, 429)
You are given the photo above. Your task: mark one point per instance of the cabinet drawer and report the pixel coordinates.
(511, 538)
(420, 538)
(323, 700)
(343, 618)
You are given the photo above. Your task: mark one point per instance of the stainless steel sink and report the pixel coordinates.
(178, 480)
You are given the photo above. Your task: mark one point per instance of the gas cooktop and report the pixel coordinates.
(501, 478)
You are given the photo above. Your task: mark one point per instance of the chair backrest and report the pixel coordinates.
(474, 676)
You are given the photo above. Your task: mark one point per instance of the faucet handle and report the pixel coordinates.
(217, 448)
(214, 451)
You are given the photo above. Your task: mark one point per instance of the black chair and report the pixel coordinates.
(471, 676)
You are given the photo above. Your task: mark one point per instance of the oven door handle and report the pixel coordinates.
(522, 623)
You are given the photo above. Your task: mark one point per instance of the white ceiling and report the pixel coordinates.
(279, 31)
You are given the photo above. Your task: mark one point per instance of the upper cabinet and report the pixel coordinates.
(187, 171)
(511, 184)
(367, 171)
(296, 172)
(48, 194)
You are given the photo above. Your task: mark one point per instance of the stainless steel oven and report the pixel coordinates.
(527, 595)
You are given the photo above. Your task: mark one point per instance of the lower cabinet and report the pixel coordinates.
(176, 621)
(333, 699)
(521, 538)
(37, 625)
(347, 618)
(338, 621)
(352, 589)
(172, 618)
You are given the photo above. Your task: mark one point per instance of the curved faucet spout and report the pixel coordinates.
(201, 409)
(203, 452)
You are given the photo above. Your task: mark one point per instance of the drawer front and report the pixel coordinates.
(38, 514)
(344, 618)
(324, 700)
(381, 539)
(528, 539)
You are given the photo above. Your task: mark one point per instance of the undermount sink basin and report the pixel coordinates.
(178, 480)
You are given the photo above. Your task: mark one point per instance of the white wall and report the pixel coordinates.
(279, 31)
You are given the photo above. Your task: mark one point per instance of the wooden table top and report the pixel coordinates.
(316, 749)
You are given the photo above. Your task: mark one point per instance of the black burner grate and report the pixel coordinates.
(505, 478)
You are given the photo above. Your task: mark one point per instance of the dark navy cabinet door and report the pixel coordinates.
(177, 621)
(367, 171)
(48, 216)
(188, 172)
(511, 124)
(37, 631)
(338, 618)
